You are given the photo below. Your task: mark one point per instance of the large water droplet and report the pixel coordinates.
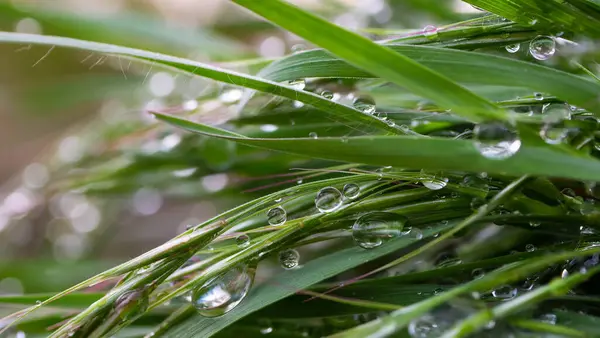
(351, 191)
(328, 199)
(313, 135)
(556, 112)
(289, 259)
(433, 181)
(542, 47)
(221, 294)
(513, 48)
(555, 133)
(370, 230)
(364, 103)
(276, 216)
(496, 140)
(131, 304)
(505, 292)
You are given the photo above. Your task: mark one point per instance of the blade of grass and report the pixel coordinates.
(418, 153)
(376, 59)
(200, 69)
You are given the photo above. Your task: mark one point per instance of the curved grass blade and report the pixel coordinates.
(376, 59)
(418, 153)
(196, 68)
(288, 282)
(467, 68)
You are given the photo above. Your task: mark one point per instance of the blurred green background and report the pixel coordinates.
(63, 109)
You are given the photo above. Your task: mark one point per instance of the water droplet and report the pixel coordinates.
(430, 31)
(548, 318)
(496, 140)
(266, 330)
(221, 294)
(242, 241)
(416, 233)
(535, 224)
(542, 47)
(276, 216)
(433, 181)
(351, 191)
(289, 259)
(513, 48)
(278, 200)
(556, 112)
(297, 48)
(424, 327)
(344, 139)
(131, 304)
(364, 103)
(371, 229)
(530, 247)
(299, 181)
(564, 274)
(297, 84)
(327, 94)
(554, 133)
(381, 115)
(328, 199)
(390, 123)
(505, 292)
(477, 273)
(313, 135)
(538, 96)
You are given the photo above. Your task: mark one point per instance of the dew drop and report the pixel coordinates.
(513, 48)
(327, 94)
(221, 294)
(372, 229)
(534, 224)
(278, 200)
(416, 233)
(424, 327)
(564, 274)
(538, 96)
(364, 103)
(381, 115)
(351, 191)
(505, 292)
(313, 135)
(131, 304)
(542, 47)
(530, 247)
(276, 216)
(289, 259)
(328, 199)
(297, 48)
(266, 330)
(242, 241)
(430, 31)
(554, 133)
(433, 181)
(297, 84)
(548, 318)
(477, 273)
(556, 112)
(299, 181)
(496, 140)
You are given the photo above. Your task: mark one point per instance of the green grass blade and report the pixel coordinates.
(419, 153)
(376, 59)
(288, 282)
(200, 69)
(467, 68)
